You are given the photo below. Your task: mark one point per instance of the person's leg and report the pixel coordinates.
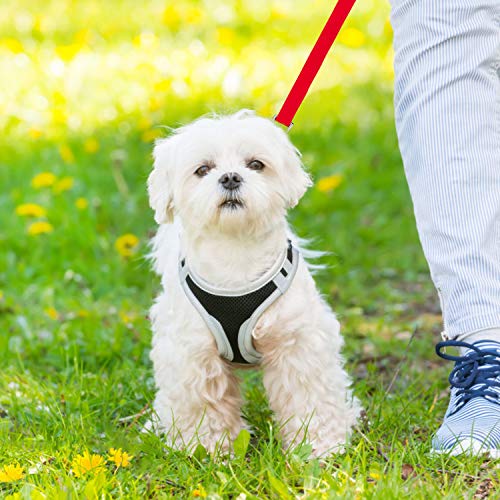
(447, 103)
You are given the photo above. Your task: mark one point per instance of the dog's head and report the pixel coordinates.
(237, 172)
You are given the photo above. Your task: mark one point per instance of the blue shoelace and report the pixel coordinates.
(478, 368)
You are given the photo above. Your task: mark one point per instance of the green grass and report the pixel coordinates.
(74, 335)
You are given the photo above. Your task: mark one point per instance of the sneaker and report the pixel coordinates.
(472, 422)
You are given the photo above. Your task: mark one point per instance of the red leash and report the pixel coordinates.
(314, 62)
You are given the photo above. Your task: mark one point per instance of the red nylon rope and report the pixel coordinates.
(314, 62)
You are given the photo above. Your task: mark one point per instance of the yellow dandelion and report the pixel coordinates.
(119, 458)
(30, 210)
(35, 133)
(375, 475)
(200, 492)
(83, 313)
(66, 153)
(163, 86)
(87, 463)
(81, 203)
(82, 37)
(68, 52)
(146, 40)
(154, 104)
(266, 109)
(52, 313)
(127, 317)
(226, 36)
(171, 16)
(40, 227)
(352, 37)
(39, 24)
(63, 184)
(91, 145)
(12, 45)
(9, 473)
(126, 245)
(329, 183)
(194, 15)
(44, 179)
(60, 117)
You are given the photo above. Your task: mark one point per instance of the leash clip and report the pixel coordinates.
(287, 128)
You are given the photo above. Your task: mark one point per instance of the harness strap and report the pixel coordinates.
(230, 316)
(314, 62)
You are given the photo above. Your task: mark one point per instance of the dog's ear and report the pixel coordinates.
(160, 187)
(295, 179)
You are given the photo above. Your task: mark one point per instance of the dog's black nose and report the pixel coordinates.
(231, 180)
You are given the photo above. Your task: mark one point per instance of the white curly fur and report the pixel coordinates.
(198, 397)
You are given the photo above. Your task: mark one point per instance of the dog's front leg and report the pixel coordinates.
(198, 397)
(308, 388)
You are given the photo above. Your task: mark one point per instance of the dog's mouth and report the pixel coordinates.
(232, 204)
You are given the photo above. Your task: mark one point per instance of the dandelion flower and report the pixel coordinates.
(45, 179)
(40, 227)
(119, 458)
(63, 184)
(60, 116)
(13, 45)
(226, 36)
(329, 183)
(126, 245)
(35, 133)
(200, 492)
(126, 317)
(87, 463)
(66, 153)
(68, 52)
(30, 210)
(91, 145)
(81, 203)
(52, 313)
(9, 473)
(352, 37)
(172, 16)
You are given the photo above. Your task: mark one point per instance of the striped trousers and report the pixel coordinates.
(447, 105)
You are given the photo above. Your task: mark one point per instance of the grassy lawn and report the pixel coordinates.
(88, 83)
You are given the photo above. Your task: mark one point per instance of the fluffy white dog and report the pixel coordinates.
(236, 287)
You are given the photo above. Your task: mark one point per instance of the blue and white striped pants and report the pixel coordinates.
(447, 103)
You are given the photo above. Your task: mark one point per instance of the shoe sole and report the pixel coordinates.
(467, 448)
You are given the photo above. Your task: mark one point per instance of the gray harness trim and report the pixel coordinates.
(238, 310)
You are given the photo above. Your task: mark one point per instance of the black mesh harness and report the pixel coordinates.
(232, 315)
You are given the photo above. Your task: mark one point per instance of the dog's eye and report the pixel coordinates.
(255, 165)
(202, 171)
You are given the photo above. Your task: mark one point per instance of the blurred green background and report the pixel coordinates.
(85, 89)
(87, 85)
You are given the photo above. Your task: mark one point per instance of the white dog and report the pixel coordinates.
(236, 287)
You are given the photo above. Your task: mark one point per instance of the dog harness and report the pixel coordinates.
(231, 315)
